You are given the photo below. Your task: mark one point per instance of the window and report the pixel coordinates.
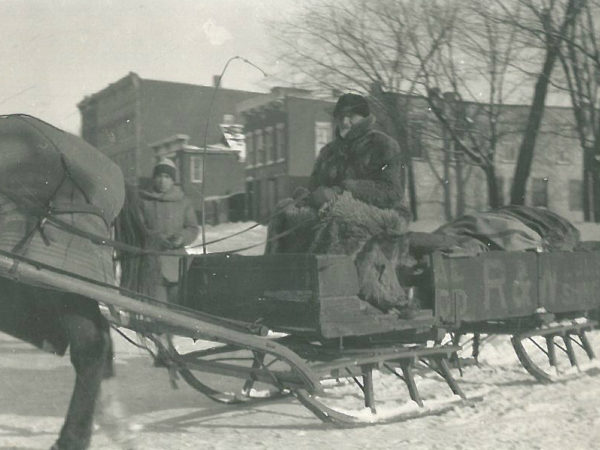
(510, 153)
(107, 136)
(415, 138)
(196, 166)
(575, 195)
(322, 135)
(259, 147)
(124, 129)
(539, 192)
(270, 145)
(258, 199)
(280, 142)
(249, 198)
(250, 153)
(272, 194)
(500, 189)
(564, 157)
(228, 118)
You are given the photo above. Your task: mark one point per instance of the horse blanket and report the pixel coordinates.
(51, 183)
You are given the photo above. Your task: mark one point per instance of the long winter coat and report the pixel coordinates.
(367, 163)
(167, 215)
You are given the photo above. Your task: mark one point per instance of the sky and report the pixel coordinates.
(56, 52)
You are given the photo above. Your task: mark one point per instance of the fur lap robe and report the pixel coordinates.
(375, 238)
(291, 229)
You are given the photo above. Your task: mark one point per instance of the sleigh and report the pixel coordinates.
(295, 325)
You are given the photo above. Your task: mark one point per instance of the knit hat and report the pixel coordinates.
(167, 166)
(351, 104)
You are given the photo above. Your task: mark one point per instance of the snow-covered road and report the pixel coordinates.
(515, 413)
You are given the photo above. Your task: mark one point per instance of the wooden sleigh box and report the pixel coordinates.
(294, 293)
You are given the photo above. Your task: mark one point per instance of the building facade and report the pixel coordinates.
(123, 119)
(285, 129)
(556, 177)
(284, 132)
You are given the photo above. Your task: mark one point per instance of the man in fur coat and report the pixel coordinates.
(361, 160)
(354, 205)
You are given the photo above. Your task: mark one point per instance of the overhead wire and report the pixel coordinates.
(287, 232)
(267, 219)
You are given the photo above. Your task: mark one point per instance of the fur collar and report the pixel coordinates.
(357, 130)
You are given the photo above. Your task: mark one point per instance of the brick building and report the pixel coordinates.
(123, 119)
(284, 131)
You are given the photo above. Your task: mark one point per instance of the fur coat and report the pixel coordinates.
(366, 220)
(367, 163)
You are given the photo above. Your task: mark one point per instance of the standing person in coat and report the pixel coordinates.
(171, 222)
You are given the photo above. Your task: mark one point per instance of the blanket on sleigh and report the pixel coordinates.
(509, 228)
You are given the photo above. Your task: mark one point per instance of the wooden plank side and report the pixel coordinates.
(277, 290)
(351, 316)
(490, 286)
(336, 276)
(443, 305)
(569, 281)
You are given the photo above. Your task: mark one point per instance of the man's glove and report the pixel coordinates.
(301, 195)
(300, 192)
(160, 242)
(176, 241)
(323, 194)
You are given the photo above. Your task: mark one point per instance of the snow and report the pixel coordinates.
(515, 411)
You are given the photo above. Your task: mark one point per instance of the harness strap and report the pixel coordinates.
(80, 208)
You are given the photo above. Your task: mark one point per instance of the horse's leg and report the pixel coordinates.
(89, 346)
(110, 412)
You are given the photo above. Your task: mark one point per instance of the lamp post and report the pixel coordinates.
(205, 146)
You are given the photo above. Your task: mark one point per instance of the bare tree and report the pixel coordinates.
(364, 46)
(397, 49)
(547, 22)
(580, 59)
(474, 64)
(401, 50)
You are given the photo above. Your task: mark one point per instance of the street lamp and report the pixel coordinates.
(205, 147)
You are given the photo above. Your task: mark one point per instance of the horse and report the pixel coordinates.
(59, 197)
(55, 321)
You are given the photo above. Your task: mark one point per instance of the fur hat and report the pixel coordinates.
(351, 104)
(167, 166)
